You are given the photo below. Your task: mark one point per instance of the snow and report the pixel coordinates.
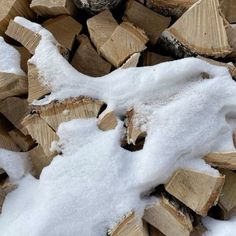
(95, 182)
(10, 62)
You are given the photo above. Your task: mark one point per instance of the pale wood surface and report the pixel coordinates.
(198, 191)
(107, 121)
(132, 61)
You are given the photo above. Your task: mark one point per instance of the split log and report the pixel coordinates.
(154, 232)
(151, 22)
(107, 121)
(15, 109)
(167, 218)
(227, 200)
(132, 61)
(128, 227)
(87, 60)
(57, 112)
(12, 85)
(116, 50)
(221, 160)
(151, 58)
(10, 9)
(101, 27)
(170, 8)
(53, 8)
(200, 30)
(228, 8)
(25, 56)
(231, 34)
(64, 28)
(41, 132)
(198, 191)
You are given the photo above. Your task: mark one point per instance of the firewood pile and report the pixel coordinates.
(98, 37)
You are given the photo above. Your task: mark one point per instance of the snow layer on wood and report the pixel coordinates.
(9, 59)
(88, 188)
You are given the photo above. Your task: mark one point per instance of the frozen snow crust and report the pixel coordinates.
(95, 182)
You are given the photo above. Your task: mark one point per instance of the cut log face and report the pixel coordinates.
(227, 200)
(228, 8)
(151, 58)
(10, 9)
(222, 160)
(151, 22)
(128, 227)
(132, 61)
(64, 29)
(116, 50)
(58, 112)
(107, 121)
(205, 35)
(196, 190)
(53, 7)
(12, 85)
(168, 219)
(87, 60)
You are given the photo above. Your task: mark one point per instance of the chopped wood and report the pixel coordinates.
(39, 160)
(167, 218)
(25, 56)
(227, 200)
(154, 232)
(200, 30)
(132, 61)
(36, 89)
(228, 8)
(24, 142)
(69, 109)
(12, 85)
(198, 191)
(231, 34)
(41, 132)
(53, 7)
(87, 60)
(128, 227)
(15, 109)
(151, 22)
(64, 28)
(101, 27)
(226, 160)
(151, 58)
(10, 9)
(107, 121)
(116, 50)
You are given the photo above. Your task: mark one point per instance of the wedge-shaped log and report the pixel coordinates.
(151, 22)
(198, 191)
(10, 9)
(128, 227)
(57, 112)
(87, 60)
(152, 58)
(53, 7)
(200, 30)
(225, 160)
(168, 219)
(25, 56)
(41, 132)
(101, 27)
(228, 8)
(132, 61)
(64, 28)
(107, 121)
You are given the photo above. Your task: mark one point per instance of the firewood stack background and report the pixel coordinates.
(97, 37)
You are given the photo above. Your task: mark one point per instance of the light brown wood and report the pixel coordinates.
(101, 27)
(154, 232)
(228, 8)
(64, 28)
(116, 50)
(11, 8)
(227, 200)
(198, 191)
(36, 89)
(151, 22)
(231, 34)
(151, 58)
(107, 121)
(25, 56)
(53, 7)
(41, 132)
(39, 160)
(128, 227)
(200, 30)
(165, 217)
(12, 85)
(87, 60)
(222, 160)
(15, 109)
(132, 61)
(58, 112)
